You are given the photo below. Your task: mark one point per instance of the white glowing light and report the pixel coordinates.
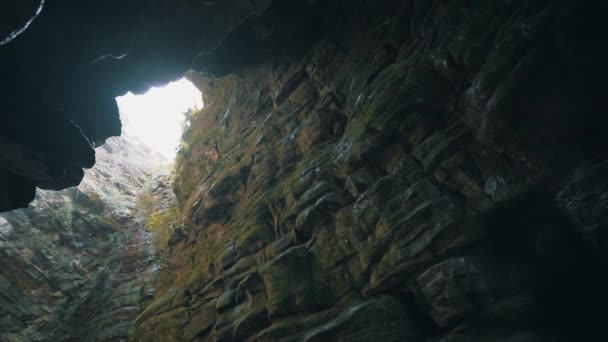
(156, 117)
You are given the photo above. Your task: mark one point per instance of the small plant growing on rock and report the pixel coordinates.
(158, 219)
(162, 224)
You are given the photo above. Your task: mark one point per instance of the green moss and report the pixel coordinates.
(187, 189)
(255, 238)
(64, 214)
(162, 225)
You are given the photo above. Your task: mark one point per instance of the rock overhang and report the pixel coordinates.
(61, 75)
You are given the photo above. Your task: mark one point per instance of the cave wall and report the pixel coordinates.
(79, 265)
(421, 171)
(364, 170)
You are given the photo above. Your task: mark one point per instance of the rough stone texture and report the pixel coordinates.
(78, 265)
(425, 163)
(362, 171)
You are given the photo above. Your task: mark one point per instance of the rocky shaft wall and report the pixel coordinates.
(429, 170)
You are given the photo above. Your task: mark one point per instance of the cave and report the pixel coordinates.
(159, 117)
(264, 170)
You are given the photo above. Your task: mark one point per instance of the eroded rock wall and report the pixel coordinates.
(429, 170)
(79, 265)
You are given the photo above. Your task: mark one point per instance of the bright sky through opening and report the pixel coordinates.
(156, 117)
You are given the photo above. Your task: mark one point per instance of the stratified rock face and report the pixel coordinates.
(429, 171)
(79, 265)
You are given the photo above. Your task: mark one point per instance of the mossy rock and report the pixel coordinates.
(287, 281)
(254, 239)
(200, 322)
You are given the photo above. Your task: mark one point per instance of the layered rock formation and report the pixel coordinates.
(428, 171)
(363, 171)
(78, 264)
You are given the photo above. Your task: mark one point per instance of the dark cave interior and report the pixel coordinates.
(362, 171)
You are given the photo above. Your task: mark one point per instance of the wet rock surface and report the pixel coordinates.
(430, 171)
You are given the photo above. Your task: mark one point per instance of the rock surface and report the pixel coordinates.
(78, 264)
(362, 171)
(428, 171)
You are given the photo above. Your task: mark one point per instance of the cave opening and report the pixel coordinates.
(156, 118)
(114, 225)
